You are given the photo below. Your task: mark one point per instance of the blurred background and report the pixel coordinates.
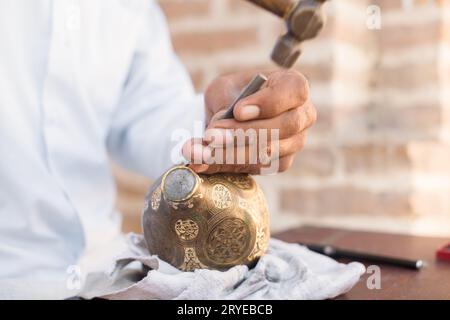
(379, 155)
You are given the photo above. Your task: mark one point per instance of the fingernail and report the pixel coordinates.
(219, 137)
(249, 112)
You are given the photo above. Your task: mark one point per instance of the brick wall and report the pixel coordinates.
(379, 156)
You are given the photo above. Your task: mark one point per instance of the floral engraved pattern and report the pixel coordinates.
(188, 204)
(186, 229)
(260, 243)
(243, 182)
(191, 261)
(156, 198)
(243, 204)
(221, 196)
(228, 241)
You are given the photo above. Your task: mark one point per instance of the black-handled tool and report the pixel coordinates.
(257, 82)
(373, 258)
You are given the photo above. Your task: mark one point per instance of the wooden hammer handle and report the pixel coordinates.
(279, 7)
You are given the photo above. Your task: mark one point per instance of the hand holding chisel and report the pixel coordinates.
(254, 86)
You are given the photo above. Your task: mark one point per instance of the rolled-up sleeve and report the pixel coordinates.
(158, 109)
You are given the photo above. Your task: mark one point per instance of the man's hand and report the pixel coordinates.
(281, 107)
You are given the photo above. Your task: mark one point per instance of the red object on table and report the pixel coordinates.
(444, 253)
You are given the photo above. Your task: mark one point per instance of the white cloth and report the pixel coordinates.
(80, 81)
(286, 271)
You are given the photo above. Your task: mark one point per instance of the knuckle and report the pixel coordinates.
(274, 105)
(300, 85)
(296, 120)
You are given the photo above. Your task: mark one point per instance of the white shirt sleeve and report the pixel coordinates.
(158, 109)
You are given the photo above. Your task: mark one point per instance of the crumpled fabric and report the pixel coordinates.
(286, 271)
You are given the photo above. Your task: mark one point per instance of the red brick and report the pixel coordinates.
(423, 157)
(378, 159)
(198, 80)
(382, 121)
(430, 157)
(388, 4)
(417, 4)
(411, 35)
(313, 161)
(206, 41)
(407, 77)
(180, 9)
(414, 122)
(345, 200)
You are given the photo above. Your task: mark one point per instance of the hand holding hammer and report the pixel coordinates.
(278, 100)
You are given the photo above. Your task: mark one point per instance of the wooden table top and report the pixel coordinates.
(431, 282)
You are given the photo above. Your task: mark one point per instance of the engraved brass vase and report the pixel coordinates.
(206, 221)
